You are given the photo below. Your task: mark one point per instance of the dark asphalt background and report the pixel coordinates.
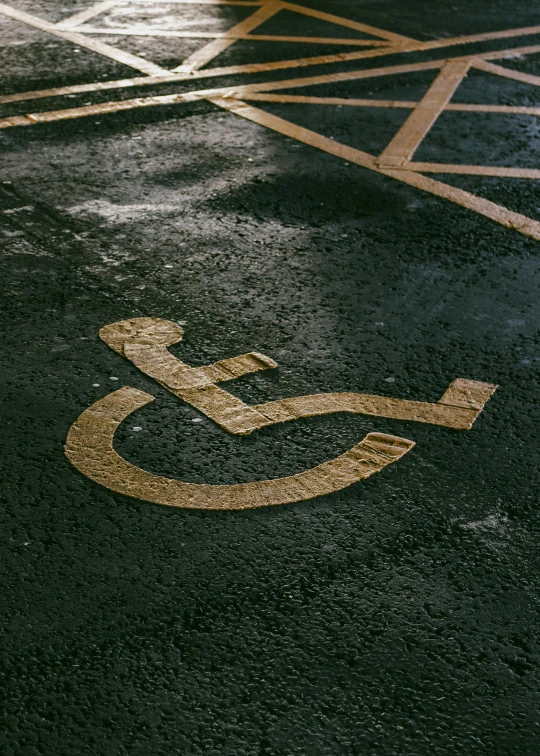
(399, 616)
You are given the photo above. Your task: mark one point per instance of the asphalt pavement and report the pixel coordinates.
(397, 616)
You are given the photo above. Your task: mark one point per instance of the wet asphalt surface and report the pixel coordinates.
(399, 616)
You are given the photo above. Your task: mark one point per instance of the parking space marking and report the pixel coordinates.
(393, 161)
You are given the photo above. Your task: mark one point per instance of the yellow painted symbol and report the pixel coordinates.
(145, 342)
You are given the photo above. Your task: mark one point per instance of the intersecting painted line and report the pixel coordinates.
(203, 56)
(79, 39)
(401, 148)
(307, 81)
(226, 98)
(141, 102)
(207, 73)
(248, 90)
(275, 66)
(491, 210)
(405, 44)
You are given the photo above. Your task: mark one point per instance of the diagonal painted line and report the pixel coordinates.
(410, 135)
(341, 21)
(369, 73)
(350, 102)
(207, 73)
(507, 73)
(85, 15)
(106, 107)
(140, 64)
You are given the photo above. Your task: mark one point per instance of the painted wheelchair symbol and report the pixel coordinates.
(144, 341)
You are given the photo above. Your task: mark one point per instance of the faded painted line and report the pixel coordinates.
(87, 14)
(149, 32)
(79, 39)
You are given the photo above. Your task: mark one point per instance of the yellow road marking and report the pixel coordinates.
(203, 56)
(394, 158)
(491, 210)
(307, 81)
(508, 73)
(349, 101)
(401, 148)
(208, 73)
(467, 39)
(101, 108)
(145, 342)
(278, 65)
(89, 448)
(370, 103)
(50, 116)
(475, 170)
